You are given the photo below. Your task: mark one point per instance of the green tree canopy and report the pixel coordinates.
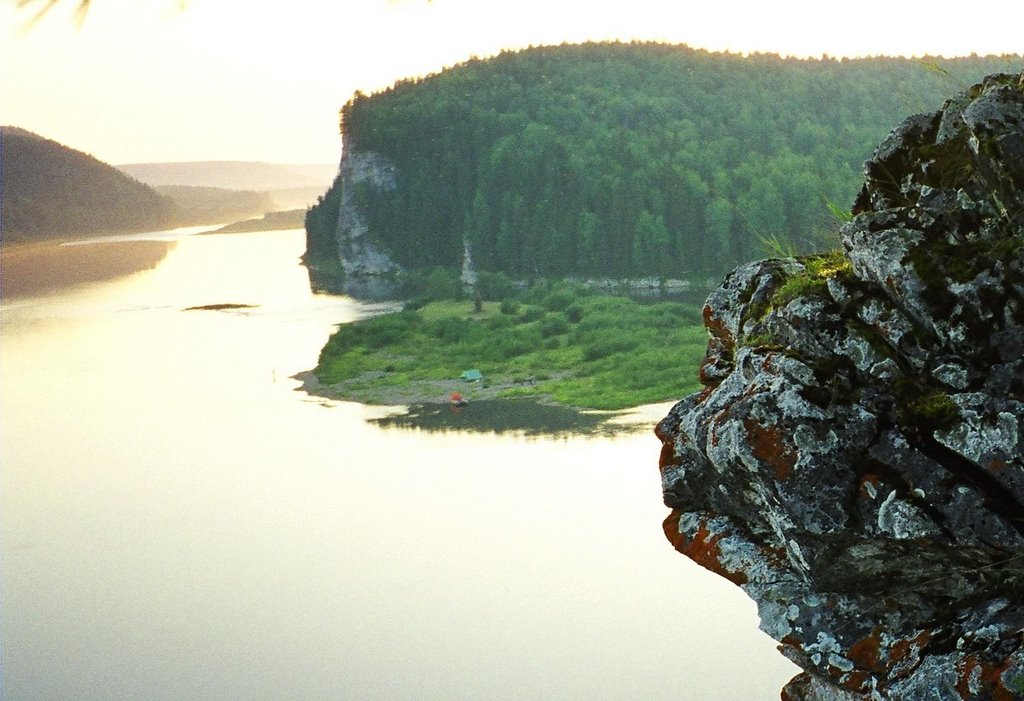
(628, 159)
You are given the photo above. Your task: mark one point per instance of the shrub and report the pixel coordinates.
(532, 313)
(494, 286)
(536, 293)
(553, 326)
(443, 284)
(387, 330)
(511, 344)
(574, 313)
(412, 284)
(506, 348)
(450, 329)
(509, 306)
(500, 321)
(559, 300)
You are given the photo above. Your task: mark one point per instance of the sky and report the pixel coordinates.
(190, 80)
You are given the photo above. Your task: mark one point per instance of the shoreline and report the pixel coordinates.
(413, 392)
(419, 403)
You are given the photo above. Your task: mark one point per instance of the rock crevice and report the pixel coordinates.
(854, 461)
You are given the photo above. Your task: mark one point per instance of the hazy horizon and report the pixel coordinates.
(225, 81)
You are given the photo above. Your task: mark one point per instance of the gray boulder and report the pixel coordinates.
(855, 461)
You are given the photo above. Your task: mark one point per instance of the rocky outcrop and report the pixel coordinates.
(469, 274)
(367, 268)
(358, 255)
(854, 461)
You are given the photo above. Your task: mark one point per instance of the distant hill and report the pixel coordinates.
(51, 190)
(271, 221)
(235, 175)
(216, 205)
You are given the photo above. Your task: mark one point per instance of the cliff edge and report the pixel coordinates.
(854, 460)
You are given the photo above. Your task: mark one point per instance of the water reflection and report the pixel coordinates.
(179, 522)
(513, 416)
(45, 268)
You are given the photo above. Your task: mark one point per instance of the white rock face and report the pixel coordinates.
(469, 274)
(359, 257)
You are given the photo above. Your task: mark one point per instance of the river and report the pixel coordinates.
(180, 521)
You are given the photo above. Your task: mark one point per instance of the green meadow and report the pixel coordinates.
(562, 345)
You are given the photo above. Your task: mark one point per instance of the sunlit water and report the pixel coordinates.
(179, 522)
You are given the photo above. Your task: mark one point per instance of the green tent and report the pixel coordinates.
(472, 376)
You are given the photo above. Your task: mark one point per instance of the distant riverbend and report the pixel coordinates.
(271, 221)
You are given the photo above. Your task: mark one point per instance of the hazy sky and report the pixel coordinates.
(152, 80)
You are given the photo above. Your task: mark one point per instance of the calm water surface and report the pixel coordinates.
(179, 522)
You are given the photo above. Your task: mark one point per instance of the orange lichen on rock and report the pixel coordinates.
(701, 547)
(858, 680)
(767, 444)
(704, 376)
(908, 649)
(984, 679)
(866, 652)
(716, 327)
(668, 455)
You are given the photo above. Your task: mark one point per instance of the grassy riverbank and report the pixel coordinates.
(578, 350)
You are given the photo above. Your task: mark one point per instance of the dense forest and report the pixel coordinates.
(625, 159)
(49, 189)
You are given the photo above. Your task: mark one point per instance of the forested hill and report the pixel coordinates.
(49, 189)
(621, 159)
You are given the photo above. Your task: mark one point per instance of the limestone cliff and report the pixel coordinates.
(854, 461)
(358, 255)
(352, 261)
